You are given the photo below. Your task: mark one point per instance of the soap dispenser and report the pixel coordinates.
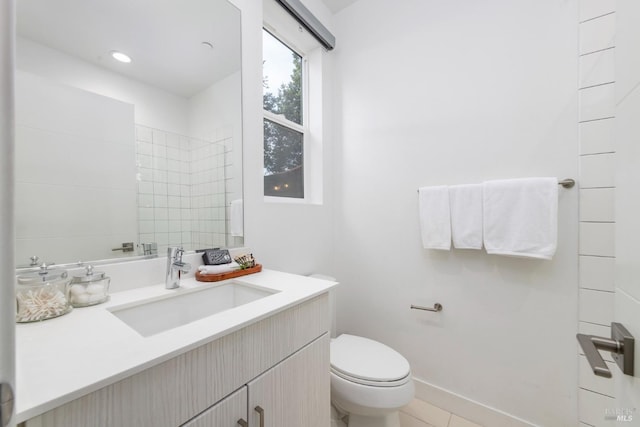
(89, 288)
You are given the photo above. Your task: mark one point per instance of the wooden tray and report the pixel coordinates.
(228, 275)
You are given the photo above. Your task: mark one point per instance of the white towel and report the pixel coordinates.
(466, 216)
(435, 219)
(521, 217)
(237, 221)
(217, 269)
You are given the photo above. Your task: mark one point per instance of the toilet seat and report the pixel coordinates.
(368, 362)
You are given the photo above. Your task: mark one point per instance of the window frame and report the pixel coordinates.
(283, 121)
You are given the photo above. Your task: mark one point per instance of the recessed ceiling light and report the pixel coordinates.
(119, 56)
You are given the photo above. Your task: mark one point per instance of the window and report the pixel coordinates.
(284, 125)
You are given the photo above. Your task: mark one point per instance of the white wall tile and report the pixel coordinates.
(627, 41)
(628, 313)
(597, 204)
(597, 239)
(144, 161)
(145, 148)
(143, 134)
(597, 170)
(628, 177)
(596, 306)
(597, 102)
(588, 380)
(592, 408)
(144, 213)
(597, 68)
(593, 329)
(597, 136)
(145, 188)
(159, 137)
(597, 273)
(146, 226)
(597, 34)
(590, 9)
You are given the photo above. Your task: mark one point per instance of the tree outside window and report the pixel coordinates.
(283, 120)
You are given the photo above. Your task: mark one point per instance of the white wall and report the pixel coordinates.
(432, 92)
(627, 207)
(291, 237)
(215, 114)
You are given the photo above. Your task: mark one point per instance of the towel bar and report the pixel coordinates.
(566, 183)
(436, 307)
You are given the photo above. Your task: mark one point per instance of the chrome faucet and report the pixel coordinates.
(175, 267)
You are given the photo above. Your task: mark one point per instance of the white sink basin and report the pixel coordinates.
(152, 316)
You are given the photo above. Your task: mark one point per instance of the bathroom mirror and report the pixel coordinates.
(128, 128)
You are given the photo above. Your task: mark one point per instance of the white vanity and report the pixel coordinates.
(263, 360)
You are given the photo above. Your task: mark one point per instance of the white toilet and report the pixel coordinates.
(370, 381)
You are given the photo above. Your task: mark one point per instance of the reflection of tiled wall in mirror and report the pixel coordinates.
(182, 189)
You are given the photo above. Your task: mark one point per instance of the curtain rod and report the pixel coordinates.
(301, 14)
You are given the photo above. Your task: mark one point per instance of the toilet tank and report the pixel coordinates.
(332, 301)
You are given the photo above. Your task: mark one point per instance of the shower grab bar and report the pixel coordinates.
(436, 307)
(566, 183)
(621, 346)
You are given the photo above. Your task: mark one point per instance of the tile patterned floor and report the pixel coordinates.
(422, 414)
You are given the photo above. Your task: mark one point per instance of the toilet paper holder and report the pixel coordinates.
(436, 307)
(621, 345)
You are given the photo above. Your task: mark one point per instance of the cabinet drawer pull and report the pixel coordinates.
(260, 411)
(243, 423)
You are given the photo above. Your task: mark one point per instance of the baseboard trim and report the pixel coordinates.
(466, 408)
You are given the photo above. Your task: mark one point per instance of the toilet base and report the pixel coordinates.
(391, 419)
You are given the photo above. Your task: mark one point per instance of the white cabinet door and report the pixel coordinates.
(229, 412)
(7, 240)
(295, 392)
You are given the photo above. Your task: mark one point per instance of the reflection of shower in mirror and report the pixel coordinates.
(148, 152)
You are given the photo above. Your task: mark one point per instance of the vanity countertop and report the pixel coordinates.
(62, 359)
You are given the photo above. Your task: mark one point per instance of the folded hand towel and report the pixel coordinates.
(466, 216)
(435, 219)
(521, 217)
(217, 269)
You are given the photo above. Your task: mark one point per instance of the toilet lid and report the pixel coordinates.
(367, 361)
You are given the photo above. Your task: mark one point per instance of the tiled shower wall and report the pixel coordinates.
(182, 189)
(597, 198)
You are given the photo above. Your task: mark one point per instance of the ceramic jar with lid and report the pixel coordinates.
(42, 295)
(89, 288)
